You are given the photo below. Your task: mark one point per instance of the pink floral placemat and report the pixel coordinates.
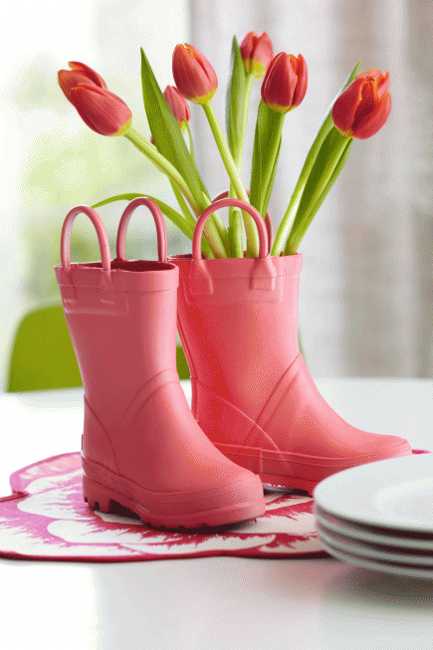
(46, 518)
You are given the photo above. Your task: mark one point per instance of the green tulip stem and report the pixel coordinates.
(190, 140)
(235, 179)
(164, 165)
(183, 205)
(189, 220)
(235, 215)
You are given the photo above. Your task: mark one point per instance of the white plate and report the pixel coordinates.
(373, 551)
(395, 493)
(373, 565)
(367, 535)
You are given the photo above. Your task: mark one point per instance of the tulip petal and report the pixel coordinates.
(263, 49)
(380, 78)
(247, 46)
(191, 78)
(369, 99)
(372, 122)
(206, 67)
(345, 107)
(194, 76)
(279, 83)
(177, 103)
(79, 73)
(87, 72)
(257, 53)
(302, 82)
(101, 110)
(383, 84)
(68, 79)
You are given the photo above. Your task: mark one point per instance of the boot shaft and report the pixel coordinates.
(243, 316)
(121, 314)
(123, 326)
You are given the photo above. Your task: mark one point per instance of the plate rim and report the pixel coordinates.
(371, 565)
(340, 483)
(368, 536)
(363, 549)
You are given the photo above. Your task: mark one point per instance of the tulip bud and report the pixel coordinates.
(256, 52)
(363, 108)
(194, 76)
(177, 104)
(78, 73)
(285, 82)
(100, 109)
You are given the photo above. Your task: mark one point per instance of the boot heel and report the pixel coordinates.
(96, 496)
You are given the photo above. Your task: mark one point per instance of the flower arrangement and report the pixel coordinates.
(359, 111)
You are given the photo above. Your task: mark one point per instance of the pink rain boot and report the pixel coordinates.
(141, 447)
(252, 392)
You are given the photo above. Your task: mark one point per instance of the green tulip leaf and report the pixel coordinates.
(316, 205)
(166, 132)
(327, 166)
(267, 145)
(272, 177)
(126, 196)
(236, 104)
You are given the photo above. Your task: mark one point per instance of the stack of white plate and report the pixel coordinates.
(380, 516)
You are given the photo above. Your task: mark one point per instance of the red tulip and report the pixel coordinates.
(101, 110)
(363, 108)
(285, 83)
(194, 76)
(256, 52)
(177, 104)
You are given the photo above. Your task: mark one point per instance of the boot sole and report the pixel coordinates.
(282, 469)
(108, 500)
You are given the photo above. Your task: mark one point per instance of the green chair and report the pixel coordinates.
(42, 354)
(182, 364)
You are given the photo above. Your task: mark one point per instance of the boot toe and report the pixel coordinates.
(389, 446)
(235, 498)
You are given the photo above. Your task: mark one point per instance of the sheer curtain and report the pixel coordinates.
(366, 284)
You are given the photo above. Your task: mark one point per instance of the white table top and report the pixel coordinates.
(211, 603)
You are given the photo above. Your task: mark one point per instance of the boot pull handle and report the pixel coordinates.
(267, 219)
(159, 224)
(263, 276)
(65, 237)
(227, 203)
